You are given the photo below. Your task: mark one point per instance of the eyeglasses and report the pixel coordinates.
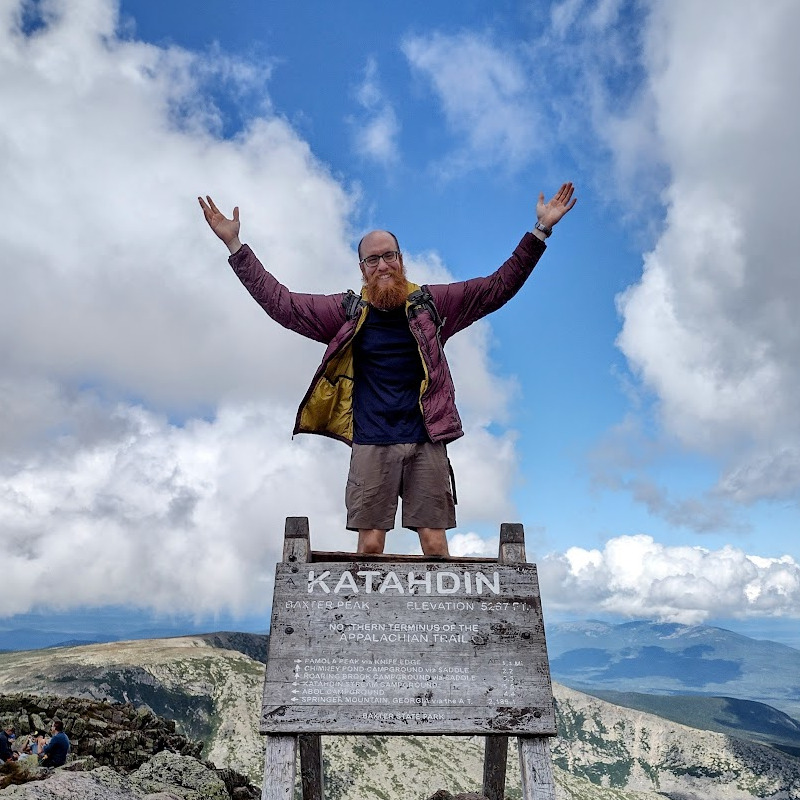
(389, 257)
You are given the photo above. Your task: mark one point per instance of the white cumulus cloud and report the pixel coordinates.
(637, 577)
(146, 402)
(485, 94)
(470, 544)
(711, 327)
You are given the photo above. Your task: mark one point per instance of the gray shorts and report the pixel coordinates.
(382, 473)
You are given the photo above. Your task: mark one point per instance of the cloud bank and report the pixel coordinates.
(636, 577)
(711, 327)
(146, 402)
(693, 116)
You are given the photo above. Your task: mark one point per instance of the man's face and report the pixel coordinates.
(386, 283)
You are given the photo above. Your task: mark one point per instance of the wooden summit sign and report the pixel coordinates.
(407, 646)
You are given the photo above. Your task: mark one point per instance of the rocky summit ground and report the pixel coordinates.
(166, 776)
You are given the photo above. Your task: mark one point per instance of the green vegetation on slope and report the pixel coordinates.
(745, 719)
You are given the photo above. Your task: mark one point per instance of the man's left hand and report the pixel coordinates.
(553, 210)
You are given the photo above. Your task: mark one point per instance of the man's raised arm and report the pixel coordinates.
(463, 302)
(316, 316)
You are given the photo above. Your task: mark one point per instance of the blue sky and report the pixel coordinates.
(634, 406)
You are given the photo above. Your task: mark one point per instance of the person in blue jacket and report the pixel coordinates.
(54, 753)
(6, 737)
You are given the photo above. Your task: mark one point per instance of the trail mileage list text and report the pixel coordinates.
(375, 647)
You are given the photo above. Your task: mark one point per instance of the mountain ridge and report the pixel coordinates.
(674, 659)
(602, 750)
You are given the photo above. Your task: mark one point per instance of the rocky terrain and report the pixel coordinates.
(128, 752)
(744, 719)
(213, 693)
(166, 776)
(117, 735)
(603, 751)
(630, 749)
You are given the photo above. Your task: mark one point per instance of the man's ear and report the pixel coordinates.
(363, 271)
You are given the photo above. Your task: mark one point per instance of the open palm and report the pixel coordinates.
(553, 210)
(226, 229)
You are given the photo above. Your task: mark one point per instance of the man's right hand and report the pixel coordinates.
(226, 229)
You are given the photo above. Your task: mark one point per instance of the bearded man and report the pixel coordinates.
(384, 386)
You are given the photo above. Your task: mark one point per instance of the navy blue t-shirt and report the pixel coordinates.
(388, 375)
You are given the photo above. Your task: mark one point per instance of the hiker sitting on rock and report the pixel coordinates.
(7, 735)
(54, 753)
(384, 386)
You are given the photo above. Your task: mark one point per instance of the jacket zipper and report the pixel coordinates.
(416, 330)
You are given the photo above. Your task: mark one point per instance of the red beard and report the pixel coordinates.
(390, 294)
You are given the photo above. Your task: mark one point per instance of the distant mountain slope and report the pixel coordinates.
(32, 639)
(603, 751)
(254, 645)
(674, 659)
(743, 718)
(413, 767)
(621, 747)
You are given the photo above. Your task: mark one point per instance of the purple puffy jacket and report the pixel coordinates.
(327, 407)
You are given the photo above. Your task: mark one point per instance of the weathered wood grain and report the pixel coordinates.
(279, 768)
(511, 551)
(296, 540)
(311, 767)
(494, 767)
(512, 543)
(408, 645)
(338, 556)
(536, 769)
(428, 648)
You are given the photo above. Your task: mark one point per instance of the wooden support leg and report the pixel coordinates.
(279, 768)
(311, 766)
(296, 539)
(512, 543)
(494, 767)
(536, 768)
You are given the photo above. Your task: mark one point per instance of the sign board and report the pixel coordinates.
(407, 648)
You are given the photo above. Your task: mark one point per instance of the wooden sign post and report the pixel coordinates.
(406, 645)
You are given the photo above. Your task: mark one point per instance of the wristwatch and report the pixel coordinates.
(543, 228)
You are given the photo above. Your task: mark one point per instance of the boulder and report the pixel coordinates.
(443, 794)
(167, 776)
(169, 770)
(100, 784)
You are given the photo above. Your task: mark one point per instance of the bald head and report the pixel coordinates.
(375, 238)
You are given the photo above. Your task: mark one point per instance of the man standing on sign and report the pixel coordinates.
(384, 386)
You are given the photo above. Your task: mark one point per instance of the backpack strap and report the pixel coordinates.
(422, 300)
(352, 304)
